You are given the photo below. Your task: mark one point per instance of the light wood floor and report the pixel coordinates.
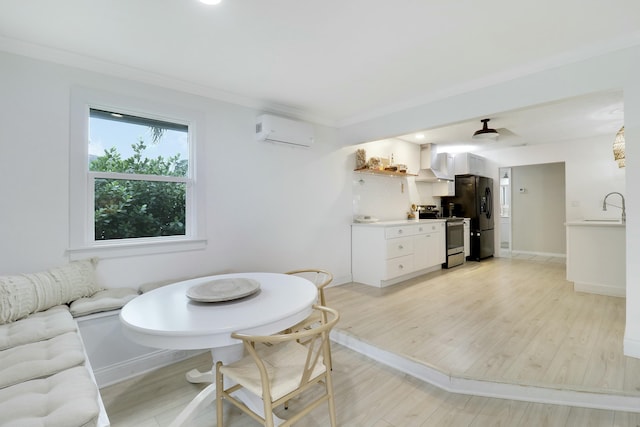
(509, 320)
(506, 320)
(367, 395)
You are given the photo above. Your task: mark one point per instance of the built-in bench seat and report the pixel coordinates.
(37, 327)
(45, 375)
(67, 398)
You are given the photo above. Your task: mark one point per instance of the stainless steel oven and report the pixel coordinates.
(455, 242)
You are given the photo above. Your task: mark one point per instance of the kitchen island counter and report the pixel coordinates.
(596, 256)
(596, 223)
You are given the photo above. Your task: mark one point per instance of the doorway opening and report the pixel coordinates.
(505, 212)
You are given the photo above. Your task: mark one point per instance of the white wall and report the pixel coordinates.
(384, 197)
(538, 209)
(590, 172)
(269, 207)
(617, 70)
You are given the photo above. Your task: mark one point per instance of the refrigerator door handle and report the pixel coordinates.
(488, 201)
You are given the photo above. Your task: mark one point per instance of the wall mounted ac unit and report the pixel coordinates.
(278, 129)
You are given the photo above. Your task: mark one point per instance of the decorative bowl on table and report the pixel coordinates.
(226, 289)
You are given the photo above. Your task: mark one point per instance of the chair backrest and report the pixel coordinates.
(320, 278)
(317, 344)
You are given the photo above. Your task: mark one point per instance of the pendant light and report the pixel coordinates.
(618, 148)
(485, 132)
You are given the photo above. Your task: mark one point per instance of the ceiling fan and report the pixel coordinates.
(488, 133)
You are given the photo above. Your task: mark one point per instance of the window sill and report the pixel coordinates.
(120, 249)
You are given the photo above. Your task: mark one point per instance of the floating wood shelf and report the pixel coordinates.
(383, 172)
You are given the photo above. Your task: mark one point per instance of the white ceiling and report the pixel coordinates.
(335, 62)
(580, 117)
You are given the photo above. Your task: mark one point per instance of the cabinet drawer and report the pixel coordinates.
(399, 247)
(399, 266)
(427, 228)
(400, 231)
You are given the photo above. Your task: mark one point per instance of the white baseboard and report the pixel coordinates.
(631, 347)
(538, 254)
(137, 366)
(389, 282)
(341, 280)
(591, 288)
(457, 384)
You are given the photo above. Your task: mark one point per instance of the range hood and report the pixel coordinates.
(434, 166)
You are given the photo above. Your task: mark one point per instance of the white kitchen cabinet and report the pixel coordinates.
(596, 257)
(444, 188)
(427, 248)
(467, 237)
(469, 163)
(388, 253)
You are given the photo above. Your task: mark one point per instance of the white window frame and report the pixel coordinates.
(82, 241)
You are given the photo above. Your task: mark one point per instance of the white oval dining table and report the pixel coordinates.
(167, 318)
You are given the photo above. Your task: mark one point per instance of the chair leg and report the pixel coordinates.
(268, 413)
(219, 390)
(332, 405)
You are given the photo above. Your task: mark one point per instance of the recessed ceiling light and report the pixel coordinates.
(211, 2)
(419, 136)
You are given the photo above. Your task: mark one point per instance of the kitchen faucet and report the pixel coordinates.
(604, 205)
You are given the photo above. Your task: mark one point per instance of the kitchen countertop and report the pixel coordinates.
(400, 222)
(596, 223)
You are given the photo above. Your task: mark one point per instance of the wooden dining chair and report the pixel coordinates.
(278, 368)
(320, 278)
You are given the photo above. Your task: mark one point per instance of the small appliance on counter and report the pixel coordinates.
(428, 212)
(365, 219)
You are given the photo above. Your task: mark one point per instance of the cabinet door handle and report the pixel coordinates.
(400, 231)
(400, 247)
(400, 266)
(420, 229)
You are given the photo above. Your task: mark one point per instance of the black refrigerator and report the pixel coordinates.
(474, 199)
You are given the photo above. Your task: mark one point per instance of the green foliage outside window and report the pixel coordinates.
(127, 208)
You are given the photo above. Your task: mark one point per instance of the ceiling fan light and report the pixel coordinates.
(493, 134)
(486, 132)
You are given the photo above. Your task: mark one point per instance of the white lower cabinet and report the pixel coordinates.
(443, 188)
(386, 254)
(429, 248)
(399, 266)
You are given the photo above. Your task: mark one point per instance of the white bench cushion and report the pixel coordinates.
(24, 294)
(40, 359)
(37, 327)
(66, 399)
(108, 299)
